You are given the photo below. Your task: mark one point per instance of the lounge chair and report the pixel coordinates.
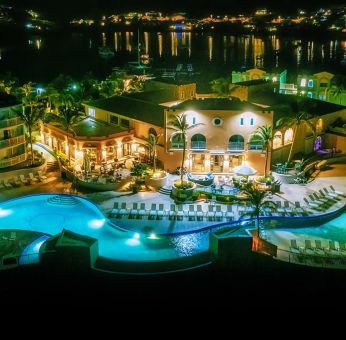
(332, 194)
(279, 208)
(298, 209)
(141, 210)
(340, 193)
(24, 180)
(153, 211)
(294, 246)
(7, 184)
(41, 176)
(211, 213)
(287, 208)
(172, 214)
(218, 213)
(32, 177)
(342, 247)
(318, 247)
(134, 210)
(160, 212)
(115, 209)
(229, 213)
(123, 210)
(180, 212)
(326, 200)
(191, 213)
(316, 200)
(308, 247)
(199, 212)
(16, 182)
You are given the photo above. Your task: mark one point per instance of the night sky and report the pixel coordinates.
(84, 7)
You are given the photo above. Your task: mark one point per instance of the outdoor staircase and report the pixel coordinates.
(52, 166)
(165, 191)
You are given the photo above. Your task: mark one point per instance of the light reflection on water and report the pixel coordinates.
(167, 50)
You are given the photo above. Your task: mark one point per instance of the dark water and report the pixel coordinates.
(41, 57)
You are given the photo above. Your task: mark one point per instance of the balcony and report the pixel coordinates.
(4, 163)
(5, 123)
(198, 145)
(177, 145)
(236, 146)
(256, 146)
(6, 143)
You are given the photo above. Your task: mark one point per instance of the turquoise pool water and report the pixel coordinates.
(35, 213)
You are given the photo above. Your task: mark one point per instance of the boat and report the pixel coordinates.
(204, 180)
(106, 52)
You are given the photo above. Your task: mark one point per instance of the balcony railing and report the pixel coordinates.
(198, 145)
(256, 146)
(12, 142)
(177, 145)
(4, 123)
(4, 163)
(236, 146)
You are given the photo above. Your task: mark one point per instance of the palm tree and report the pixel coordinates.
(152, 142)
(265, 134)
(223, 87)
(180, 126)
(300, 117)
(338, 86)
(31, 114)
(68, 115)
(258, 199)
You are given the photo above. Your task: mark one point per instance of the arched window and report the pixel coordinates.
(288, 137)
(177, 141)
(277, 140)
(198, 141)
(319, 126)
(255, 143)
(236, 142)
(152, 131)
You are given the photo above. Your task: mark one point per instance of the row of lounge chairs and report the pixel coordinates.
(324, 199)
(178, 212)
(17, 181)
(334, 248)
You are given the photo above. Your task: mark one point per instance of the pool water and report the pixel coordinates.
(40, 214)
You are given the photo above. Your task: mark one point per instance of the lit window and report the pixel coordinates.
(309, 94)
(303, 82)
(91, 112)
(275, 79)
(194, 120)
(251, 121)
(310, 83)
(241, 121)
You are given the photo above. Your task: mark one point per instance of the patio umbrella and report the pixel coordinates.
(243, 170)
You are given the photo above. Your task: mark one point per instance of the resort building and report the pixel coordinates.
(12, 135)
(276, 76)
(317, 86)
(220, 137)
(327, 120)
(119, 126)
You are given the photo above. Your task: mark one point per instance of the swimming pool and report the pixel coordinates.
(45, 214)
(51, 213)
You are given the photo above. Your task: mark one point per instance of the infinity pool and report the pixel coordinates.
(45, 214)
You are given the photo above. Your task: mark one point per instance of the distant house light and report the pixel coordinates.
(303, 82)
(309, 94)
(310, 83)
